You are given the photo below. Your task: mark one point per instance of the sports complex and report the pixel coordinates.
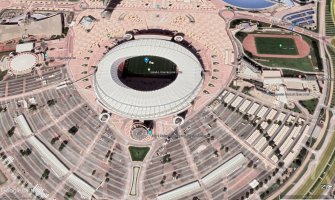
(282, 46)
(148, 79)
(251, 5)
(196, 100)
(291, 51)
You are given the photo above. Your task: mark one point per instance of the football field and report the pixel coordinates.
(279, 46)
(149, 66)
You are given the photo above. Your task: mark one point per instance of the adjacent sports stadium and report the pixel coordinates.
(148, 79)
(251, 4)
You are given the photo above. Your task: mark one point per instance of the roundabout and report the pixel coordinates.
(173, 98)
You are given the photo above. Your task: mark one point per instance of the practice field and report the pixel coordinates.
(149, 66)
(276, 46)
(279, 46)
(290, 51)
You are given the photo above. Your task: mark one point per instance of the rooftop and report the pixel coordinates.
(49, 26)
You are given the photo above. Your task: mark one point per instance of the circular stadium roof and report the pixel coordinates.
(251, 5)
(135, 104)
(23, 63)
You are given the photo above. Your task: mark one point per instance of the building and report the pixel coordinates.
(48, 27)
(87, 22)
(271, 74)
(24, 47)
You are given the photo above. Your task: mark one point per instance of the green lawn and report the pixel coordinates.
(3, 178)
(303, 64)
(329, 174)
(322, 164)
(155, 66)
(295, 109)
(2, 74)
(279, 46)
(138, 153)
(4, 53)
(310, 105)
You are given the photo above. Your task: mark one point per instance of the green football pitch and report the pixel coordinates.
(149, 66)
(278, 46)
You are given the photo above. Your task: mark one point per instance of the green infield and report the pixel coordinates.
(278, 46)
(138, 153)
(149, 66)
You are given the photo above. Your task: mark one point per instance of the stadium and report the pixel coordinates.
(148, 79)
(251, 5)
(258, 5)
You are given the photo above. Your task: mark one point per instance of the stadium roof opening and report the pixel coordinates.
(137, 104)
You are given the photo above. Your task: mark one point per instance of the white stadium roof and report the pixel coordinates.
(135, 104)
(23, 63)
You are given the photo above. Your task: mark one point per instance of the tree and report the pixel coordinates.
(271, 143)
(297, 161)
(247, 194)
(45, 174)
(26, 152)
(278, 181)
(51, 102)
(33, 107)
(70, 194)
(166, 158)
(63, 145)
(10, 132)
(54, 139)
(250, 163)
(73, 130)
(251, 191)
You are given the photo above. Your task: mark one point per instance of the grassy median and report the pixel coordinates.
(138, 153)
